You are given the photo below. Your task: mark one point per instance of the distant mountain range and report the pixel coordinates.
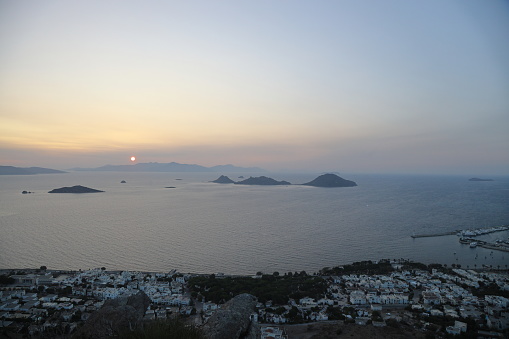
(11, 170)
(171, 167)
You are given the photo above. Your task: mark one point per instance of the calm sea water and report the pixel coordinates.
(204, 227)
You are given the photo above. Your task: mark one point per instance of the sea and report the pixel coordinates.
(202, 227)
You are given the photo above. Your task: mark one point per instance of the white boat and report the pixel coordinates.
(473, 244)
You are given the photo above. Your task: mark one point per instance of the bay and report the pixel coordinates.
(202, 227)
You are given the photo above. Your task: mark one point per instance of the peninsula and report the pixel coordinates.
(11, 170)
(75, 189)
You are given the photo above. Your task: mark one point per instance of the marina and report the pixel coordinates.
(467, 237)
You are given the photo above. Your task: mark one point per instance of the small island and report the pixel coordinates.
(479, 179)
(75, 189)
(330, 180)
(261, 181)
(223, 179)
(123, 182)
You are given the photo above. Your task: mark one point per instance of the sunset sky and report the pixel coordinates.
(349, 86)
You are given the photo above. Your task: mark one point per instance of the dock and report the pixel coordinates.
(433, 234)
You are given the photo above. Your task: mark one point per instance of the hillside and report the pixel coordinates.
(12, 170)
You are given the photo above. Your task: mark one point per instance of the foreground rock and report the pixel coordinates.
(232, 320)
(223, 180)
(115, 317)
(262, 181)
(330, 180)
(75, 189)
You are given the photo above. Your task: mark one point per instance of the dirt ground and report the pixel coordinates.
(332, 330)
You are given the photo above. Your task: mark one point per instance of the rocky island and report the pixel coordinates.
(261, 181)
(325, 180)
(479, 179)
(223, 180)
(330, 180)
(75, 189)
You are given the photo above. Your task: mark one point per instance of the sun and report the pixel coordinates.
(133, 158)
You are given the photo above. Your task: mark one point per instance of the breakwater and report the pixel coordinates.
(433, 234)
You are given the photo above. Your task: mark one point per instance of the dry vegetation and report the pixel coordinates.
(351, 331)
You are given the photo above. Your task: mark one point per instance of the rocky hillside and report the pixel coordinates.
(232, 320)
(114, 317)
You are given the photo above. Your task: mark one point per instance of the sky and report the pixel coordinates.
(348, 86)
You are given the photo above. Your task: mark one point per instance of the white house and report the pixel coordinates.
(358, 297)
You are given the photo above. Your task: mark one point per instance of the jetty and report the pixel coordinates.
(433, 234)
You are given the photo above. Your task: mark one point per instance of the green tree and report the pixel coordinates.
(6, 280)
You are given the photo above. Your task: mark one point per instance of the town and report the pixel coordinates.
(435, 300)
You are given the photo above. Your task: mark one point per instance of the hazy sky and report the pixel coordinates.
(348, 86)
